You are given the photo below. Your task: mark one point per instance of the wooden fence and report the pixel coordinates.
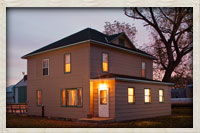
(16, 108)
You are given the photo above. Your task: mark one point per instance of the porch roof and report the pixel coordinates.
(128, 78)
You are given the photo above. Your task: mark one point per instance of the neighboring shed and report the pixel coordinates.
(186, 92)
(20, 91)
(10, 94)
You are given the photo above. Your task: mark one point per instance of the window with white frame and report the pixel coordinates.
(161, 95)
(67, 63)
(45, 66)
(105, 62)
(143, 69)
(131, 95)
(147, 95)
(71, 97)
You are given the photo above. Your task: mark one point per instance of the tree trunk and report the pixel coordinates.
(167, 75)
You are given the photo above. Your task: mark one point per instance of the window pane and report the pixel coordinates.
(103, 97)
(147, 99)
(105, 57)
(67, 67)
(130, 99)
(143, 73)
(67, 59)
(130, 91)
(71, 97)
(147, 92)
(160, 99)
(143, 65)
(45, 63)
(63, 97)
(105, 67)
(160, 92)
(45, 71)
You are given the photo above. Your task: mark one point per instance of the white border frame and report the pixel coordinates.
(100, 3)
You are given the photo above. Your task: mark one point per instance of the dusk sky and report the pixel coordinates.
(29, 29)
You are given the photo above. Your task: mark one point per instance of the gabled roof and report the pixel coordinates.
(85, 35)
(131, 79)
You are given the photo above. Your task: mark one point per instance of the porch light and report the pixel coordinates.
(103, 86)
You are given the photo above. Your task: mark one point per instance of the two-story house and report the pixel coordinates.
(92, 73)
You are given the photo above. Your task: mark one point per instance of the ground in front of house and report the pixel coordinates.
(182, 117)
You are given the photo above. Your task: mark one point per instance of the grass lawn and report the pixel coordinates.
(182, 117)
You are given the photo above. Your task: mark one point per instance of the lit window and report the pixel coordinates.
(103, 96)
(161, 96)
(39, 96)
(67, 63)
(147, 95)
(45, 66)
(143, 69)
(131, 95)
(71, 97)
(121, 42)
(105, 62)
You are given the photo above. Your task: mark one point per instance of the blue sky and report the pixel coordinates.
(31, 28)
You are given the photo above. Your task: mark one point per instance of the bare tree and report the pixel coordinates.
(172, 30)
(118, 27)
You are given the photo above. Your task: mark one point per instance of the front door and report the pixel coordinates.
(103, 101)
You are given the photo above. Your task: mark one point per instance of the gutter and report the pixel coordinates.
(144, 81)
(102, 79)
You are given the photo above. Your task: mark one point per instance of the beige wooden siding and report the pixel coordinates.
(51, 85)
(139, 109)
(111, 86)
(120, 62)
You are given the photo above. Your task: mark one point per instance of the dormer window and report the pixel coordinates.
(121, 42)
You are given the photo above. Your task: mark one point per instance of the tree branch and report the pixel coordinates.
(166, 16)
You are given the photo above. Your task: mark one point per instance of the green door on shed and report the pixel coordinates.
(22, 96)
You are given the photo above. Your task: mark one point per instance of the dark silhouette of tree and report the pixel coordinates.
(117, 27)
(172, 31)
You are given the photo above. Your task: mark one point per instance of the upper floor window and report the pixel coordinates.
(161, 95)
(45, 66)
(105, 62)
(67, 63)
(39, 97)
(71, 97)
(131, 95)
(121, 42)
(143, 69)
(147, 95)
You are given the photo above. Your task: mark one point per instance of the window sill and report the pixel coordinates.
(67, 72)
(132, 103)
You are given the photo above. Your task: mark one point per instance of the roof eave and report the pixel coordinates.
(151, 57)
(144, 81)
(25, 56)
